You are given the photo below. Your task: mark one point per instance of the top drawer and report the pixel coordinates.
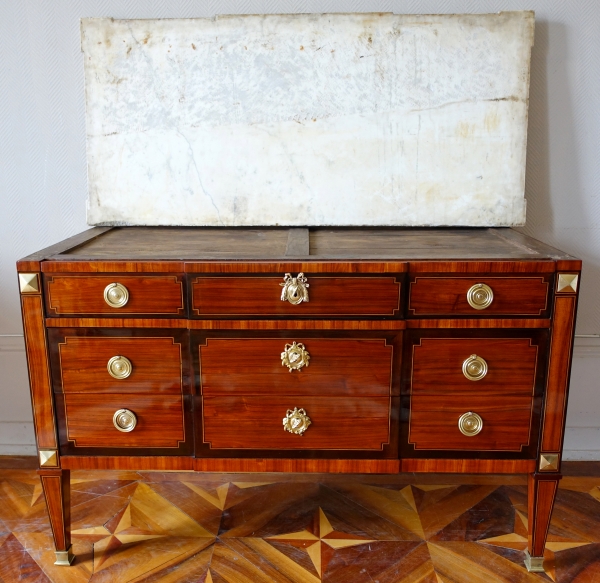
(115, 295)
(295, 295)
(479, 296)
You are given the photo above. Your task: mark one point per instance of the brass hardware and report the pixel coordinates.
(29, 283)
(119, 367)
(549, 462)
(48, 458)
(534, 564)
(296, 421)
(567, 283)
(124, 420)
(64, 558)
(475, 368)
(116, 295)
(295, 289)
(480, 296)
(470, 424)
(295, 356)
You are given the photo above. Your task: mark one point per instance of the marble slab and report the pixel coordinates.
(308, 119)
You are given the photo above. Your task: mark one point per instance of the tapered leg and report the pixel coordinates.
(540, 501)
(57, 490)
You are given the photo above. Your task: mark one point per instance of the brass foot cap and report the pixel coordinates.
(65, 558)
(534, 564)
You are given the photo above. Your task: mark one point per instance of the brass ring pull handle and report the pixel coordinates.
(296, 421)
(119, 367)
(295, 289)
(470, 424)
(480, 296)
(124, 420)
(475, 368)
(295, 356)
(116, 295)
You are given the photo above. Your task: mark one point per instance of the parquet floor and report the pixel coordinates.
(259, 528)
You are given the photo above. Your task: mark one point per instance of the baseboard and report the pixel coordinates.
(582, 444)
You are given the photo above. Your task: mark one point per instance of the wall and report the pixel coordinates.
(43, 167)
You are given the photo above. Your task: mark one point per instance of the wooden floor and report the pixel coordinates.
(255, 528)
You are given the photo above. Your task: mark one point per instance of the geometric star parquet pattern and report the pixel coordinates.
(264, 528)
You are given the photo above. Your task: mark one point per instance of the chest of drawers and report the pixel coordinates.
(312, 350)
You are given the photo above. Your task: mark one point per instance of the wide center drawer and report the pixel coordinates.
(115, 295)
(256, 423)
(297, 363)
(322, 296)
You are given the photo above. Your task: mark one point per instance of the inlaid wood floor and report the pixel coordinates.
(259, 528)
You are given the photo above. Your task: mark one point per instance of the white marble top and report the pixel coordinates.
(308, 119)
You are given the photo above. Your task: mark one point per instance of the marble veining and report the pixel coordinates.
(308, 119)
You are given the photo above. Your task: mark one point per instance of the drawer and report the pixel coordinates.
(327, 297)
(345, 367)
(450, 296)
(119, 365)
(120, 360)
(434, 422)
(115, 295)
(88, 420)
(475, 365)
(245, 423)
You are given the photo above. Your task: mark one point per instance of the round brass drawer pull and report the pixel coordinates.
(475, 368)
(116, 295)
(119, 367)
(470, 424)
(295, 356)
(295, 289)
(480, 296)
(124, 420)
(296, 421)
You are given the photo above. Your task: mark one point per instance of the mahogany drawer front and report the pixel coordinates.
(328, 297)
(245, 423)
(160, 295)
(336, 367)
(138, 365)
(89, 420)
(447, 296)
(434, 422)
(509, 365)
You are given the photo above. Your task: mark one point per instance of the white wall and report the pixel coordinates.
(43, 168)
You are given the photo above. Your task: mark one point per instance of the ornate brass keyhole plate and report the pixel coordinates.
(295, 356)
(296, 421)
(295, 289)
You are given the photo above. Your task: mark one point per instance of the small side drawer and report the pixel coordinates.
(88, 421)
(115, 295)
(335, 296)
(256, 423)
(120, 360)
(489, 295)
(434, 422)
(476, 365)
(120, 365)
